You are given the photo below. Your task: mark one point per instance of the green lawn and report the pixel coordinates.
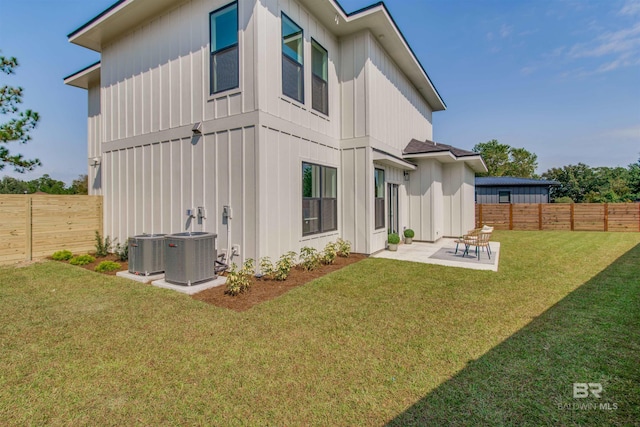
(378, 342)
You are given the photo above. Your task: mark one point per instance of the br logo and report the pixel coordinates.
(582, 390)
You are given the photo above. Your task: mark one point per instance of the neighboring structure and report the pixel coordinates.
(507, 189)
(276, 124)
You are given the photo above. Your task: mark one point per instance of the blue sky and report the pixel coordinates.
(560, 78)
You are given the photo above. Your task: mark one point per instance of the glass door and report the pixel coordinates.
(393, 208)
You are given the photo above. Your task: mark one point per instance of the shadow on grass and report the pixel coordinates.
(591, 336)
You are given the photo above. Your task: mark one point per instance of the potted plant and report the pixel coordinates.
(393, 240)
(408, 236)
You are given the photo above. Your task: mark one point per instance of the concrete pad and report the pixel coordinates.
(190, 290)
(140, 277)
(443, 253)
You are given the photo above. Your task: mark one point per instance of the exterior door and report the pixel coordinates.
(393, 208)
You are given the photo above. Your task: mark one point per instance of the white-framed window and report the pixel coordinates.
(223, 31)
(504, 196)
(319, 198)
(378, 185)
(292, 59)
(319, 78)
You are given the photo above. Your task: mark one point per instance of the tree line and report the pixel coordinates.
(578, 183)
(44, 184)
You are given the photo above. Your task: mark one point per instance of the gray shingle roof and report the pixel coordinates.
(424, 147)
(497, 181)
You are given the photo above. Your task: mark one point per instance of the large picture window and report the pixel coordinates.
(319, 199)
(319, 78)
(292, 60)
(224, 48)
(379, 198)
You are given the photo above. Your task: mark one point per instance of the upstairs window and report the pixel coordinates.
(292, 60)
(319, 199)
(224, 48)
(379, 197)
(319, 78)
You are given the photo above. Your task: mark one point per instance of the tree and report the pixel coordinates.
(46, 184)
(19, 125)
(9, 185)
(576, 181)
(80, 185)
(505, 160)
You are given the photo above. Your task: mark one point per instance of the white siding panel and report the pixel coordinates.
(398, 112)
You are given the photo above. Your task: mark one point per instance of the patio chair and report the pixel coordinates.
(471, 234)
(481, 240)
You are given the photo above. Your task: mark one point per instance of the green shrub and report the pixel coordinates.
(330, 252)
(309, 258)
(563, 199)
(266, 267)
(409, 233)
(394, 239)
(82, 260)
(63, 255)
(343, 247)
(105, 266)
(284, 266)
(122, 251)
(239, 281)
(102, 246)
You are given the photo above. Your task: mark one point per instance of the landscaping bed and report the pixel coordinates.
(262, 290)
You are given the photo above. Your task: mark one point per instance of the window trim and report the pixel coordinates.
(508, 193)
(315, 42)
(376, 198)
(235, 45)
(289, 58)
(320, 199)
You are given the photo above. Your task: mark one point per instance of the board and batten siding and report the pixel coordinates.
(396, 111)
(426, 200)
(280, 191)
(519, 194)
(269, 70)
(156, 77)
(458, 199)
(149, 188)
(94, 138)
(378, 101)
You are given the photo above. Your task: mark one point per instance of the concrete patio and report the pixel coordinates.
(442, 252)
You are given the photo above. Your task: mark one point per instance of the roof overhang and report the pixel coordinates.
(120, 17)
(474, 162)
(127, 14)
(377, 19)
(387, 159)
(85, 77)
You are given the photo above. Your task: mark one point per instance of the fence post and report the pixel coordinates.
(480, 215)
(28, 229)
(539, 216)
(571, 212)
(606, 217)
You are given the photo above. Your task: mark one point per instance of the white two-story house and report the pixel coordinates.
(276, 124)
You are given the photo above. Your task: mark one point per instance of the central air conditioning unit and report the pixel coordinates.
(146, 254)
(190, 258)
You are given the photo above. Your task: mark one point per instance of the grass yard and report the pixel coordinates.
(378, 342)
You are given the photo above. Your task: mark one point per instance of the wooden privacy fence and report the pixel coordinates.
(35, 226)
(560, 216)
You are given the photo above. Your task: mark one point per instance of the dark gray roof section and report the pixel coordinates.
(510, 181)
(424, 147)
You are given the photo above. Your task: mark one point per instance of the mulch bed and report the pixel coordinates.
(264, 290)
(261, 289)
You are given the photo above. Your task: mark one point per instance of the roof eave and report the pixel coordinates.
(85, 77)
